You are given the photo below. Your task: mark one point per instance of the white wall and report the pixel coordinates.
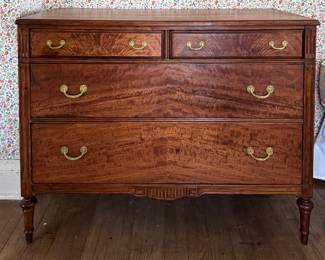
(9, 179)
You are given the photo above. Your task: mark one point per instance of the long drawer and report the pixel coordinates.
(246, 90)
(249, 44)
(167, 152)
(95, 44)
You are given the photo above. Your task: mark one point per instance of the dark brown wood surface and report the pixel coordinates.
(309, 110)
(107, 44)
(167, 191)
(110, 17)
(123, 227)
(24, 126)
(249, 44)
(136, 152)
(185, 127)
(167, 90)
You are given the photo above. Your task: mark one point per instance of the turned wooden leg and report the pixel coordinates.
(305, 207)
(28, 205)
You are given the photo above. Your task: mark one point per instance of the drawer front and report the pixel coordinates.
(108, 44)
(167, 152)
(237, 44)
(253, 90)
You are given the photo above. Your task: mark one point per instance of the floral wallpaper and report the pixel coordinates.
(11, 9)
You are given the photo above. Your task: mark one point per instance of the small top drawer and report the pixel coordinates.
(107, 44)
(247, 44)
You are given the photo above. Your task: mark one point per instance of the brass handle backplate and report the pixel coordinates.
(250, 151)
(64, 89)
(269, 89)
(65, 150)
(201, 45)
(49, 44)
(132, 45)
(284, 45)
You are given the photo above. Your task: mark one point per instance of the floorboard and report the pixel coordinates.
(123, 227)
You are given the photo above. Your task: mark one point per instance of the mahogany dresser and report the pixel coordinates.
(166, 104)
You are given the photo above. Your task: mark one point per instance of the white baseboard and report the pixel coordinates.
(10, 179)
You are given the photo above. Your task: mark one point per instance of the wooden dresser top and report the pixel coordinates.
(220, 17)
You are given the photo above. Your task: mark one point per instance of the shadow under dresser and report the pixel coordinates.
(166, 104)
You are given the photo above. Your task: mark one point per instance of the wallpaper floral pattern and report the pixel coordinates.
(11, 9)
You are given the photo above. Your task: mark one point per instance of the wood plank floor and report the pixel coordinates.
(122, 227)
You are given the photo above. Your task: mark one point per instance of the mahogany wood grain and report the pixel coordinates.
(135, 152)
(166, 122)
(23, 43)
(249, 44)
(304, 202)
(167, 191)
(166, 17)
(92, 43)
(167, 90)
(309, 110)
(24, 127)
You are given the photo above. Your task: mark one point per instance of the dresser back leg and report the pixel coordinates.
(305, 208)
(28, 205)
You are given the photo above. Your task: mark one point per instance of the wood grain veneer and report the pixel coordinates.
(166, 17)
(167, 90)
(160, 120)
(249, 44)
(111, 44)
(162, 152)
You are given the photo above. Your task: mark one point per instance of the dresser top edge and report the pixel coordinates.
(93, 16)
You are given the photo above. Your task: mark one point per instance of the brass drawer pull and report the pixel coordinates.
(61, 44)
(64, 89)
(250, 151)
(284, 45)
(65, 151)
(201, 45)
(269, 89)
(132, 45)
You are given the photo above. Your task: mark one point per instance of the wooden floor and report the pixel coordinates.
(123, 227)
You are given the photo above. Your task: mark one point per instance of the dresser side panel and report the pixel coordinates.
(24, 111)
(309, 111)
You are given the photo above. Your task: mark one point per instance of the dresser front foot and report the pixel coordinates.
(28, 205)
(305, 208)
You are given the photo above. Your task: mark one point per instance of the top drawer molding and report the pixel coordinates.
(96, 44)
(233, 44)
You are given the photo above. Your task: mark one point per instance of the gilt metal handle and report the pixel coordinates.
(132, 45)
(64, 89)
(269, 89)
(250, 151)
(201, 45)
(49, 43)
(65, 150)
(284, 45)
